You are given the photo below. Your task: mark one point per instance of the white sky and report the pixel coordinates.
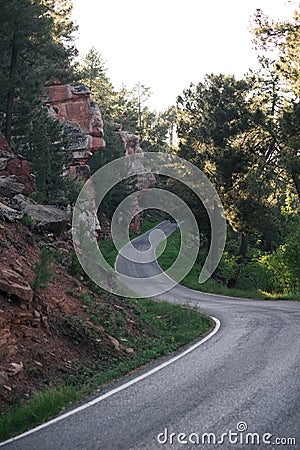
(167, 44)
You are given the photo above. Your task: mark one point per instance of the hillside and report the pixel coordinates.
(62, 337)
(50, 336)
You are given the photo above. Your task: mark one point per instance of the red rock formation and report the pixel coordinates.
(144, 181)
(73, 104)
(12, 283)
(17, 168)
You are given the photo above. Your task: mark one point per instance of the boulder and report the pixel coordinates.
(10, 214)
(10, 186)
(17, 167)
(22, 170)
(12, 283)
(46, 217)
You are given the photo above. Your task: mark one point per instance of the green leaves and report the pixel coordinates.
(42, 270)
(218, 133)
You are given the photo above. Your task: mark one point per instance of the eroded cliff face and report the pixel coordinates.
(15, 169)
(144, 181)
(73, 104)
(17, 182)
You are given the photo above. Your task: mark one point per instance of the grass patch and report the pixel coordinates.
(39, 408)
(109, 251)
(211, 286)
(163, 328)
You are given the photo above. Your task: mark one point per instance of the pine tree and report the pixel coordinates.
(33, 49)
(283, 122)
(218, 132)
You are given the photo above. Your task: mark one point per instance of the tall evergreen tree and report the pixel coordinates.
(283, 124)
(218, 132)
(34, 36)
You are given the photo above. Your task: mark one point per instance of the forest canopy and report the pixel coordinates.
(244, 134)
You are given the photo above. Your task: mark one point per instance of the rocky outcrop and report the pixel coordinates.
(144, 181)
(16, 183)
(15, 169)
(73, 104)
(13, 284)
(130, 142)
(8, 213)
(15, 178)
(45, 217)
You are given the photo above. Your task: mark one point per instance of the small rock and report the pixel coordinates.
(3, 378)
(8, 388)
(129, 350)
(14, 284)
(15, 368)
(115, 342)
(10, 214)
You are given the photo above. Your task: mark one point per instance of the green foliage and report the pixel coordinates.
(65, 191)
(75, 267)
(283, 36)
(46, 146)
(281, 122)
(35, 46)
(158, 130)
(27, 220)
(42, 270)
(40, 407)
(93, 73)
(77, 330)
(160, 328)
(218, 133)
(118, 108)
(283, 265)
(244, 135)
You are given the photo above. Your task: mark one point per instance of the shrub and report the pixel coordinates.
(42, 270)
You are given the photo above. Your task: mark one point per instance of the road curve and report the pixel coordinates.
(245, 376)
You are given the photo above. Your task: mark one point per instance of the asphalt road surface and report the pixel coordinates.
(237, 390)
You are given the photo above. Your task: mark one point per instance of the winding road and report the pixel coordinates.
(239, 389)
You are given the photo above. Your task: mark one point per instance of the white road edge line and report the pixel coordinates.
(120, 388)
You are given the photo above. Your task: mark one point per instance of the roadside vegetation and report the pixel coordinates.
(159, 329)
(242, 133)
(262, 275)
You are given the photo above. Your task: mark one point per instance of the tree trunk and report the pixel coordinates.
(296, 180)
(243, 248)
(11, 90)
(241, 258)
